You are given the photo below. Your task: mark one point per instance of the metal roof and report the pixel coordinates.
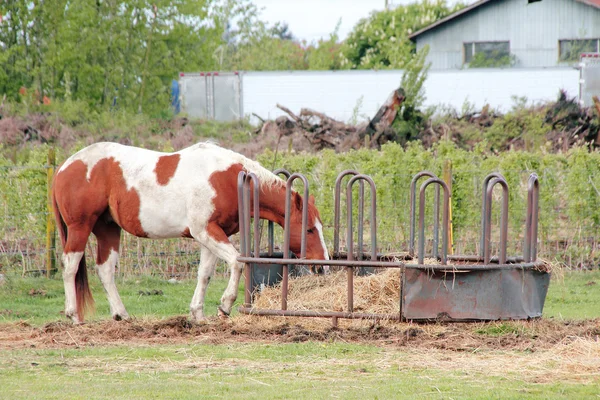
(591, 3)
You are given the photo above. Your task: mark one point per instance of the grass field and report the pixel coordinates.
(40, 357)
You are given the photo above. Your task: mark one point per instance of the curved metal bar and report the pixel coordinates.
(336, 205)
(256, 210)
(241, 216)
(350, 270)
(244, 180)
(486, 181)
(288, 209)
(283, 171)
(371, 183)
(286, 231)
(413, 209)
(503, 221)
(445, 219)
(271, 225)
(361, 217)
(531, 221)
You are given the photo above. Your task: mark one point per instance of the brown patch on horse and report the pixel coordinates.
(165, 168)
(124, 204)
(85, 205)
(224, 220)
(186, 233)
(82, 201)
(108, 235)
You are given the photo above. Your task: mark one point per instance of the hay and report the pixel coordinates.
(378, 293)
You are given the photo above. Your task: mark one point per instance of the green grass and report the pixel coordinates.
(574, 296)
(500, 329)
(307, 370)
(303, 371)
(41, 300)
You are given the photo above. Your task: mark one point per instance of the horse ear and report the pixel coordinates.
(298, 201)
(311, 199)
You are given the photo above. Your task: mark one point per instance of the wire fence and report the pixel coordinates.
(29, 244)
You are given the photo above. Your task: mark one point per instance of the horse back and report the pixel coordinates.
(148, 193)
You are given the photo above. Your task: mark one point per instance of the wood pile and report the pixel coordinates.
(572, 124)
(324, 132)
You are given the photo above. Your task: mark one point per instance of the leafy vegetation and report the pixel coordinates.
(410, 119)
(568, 198)
(107, 54)
(381, 40)
(123, 54)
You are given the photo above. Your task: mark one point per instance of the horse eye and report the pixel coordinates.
(311, 230)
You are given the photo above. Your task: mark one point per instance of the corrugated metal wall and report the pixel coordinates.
(534, 31)
(345, 94)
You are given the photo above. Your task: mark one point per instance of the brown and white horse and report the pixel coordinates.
(191, 193)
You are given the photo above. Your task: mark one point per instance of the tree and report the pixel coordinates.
(410, 119)
(381, 40)
(106, 53)
(326, 54)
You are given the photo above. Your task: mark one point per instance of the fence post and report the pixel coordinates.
(447, 177)
(50, 224)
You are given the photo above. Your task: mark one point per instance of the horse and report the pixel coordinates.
(192, 193)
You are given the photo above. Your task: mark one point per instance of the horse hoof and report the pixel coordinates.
(222, 313)
(121, 317)
(199, 321)
(73, 318)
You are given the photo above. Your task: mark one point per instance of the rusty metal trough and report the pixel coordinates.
(471, 287)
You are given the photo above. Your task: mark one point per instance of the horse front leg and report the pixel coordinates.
(218, 243)
(230, 293)
(206, 268)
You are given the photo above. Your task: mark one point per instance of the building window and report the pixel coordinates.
(487, 52)
(570, 50)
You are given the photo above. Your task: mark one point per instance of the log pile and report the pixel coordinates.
(572, 124)
(324, 132)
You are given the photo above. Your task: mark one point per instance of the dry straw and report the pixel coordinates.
(377, 293)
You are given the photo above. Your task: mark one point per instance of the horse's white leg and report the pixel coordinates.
(229, 254)
(108, 234)
(106, 273)
(205, 270)
(71, 264)
(218, 243)
(73, 259)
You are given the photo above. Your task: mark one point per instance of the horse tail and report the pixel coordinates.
(83, 294)
(60, 222)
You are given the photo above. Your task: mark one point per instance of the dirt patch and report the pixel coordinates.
(527, 336)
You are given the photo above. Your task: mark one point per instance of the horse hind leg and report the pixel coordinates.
(207, 267)
(74, 267)
(108, 235)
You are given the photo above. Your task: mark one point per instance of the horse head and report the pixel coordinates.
(315, 241)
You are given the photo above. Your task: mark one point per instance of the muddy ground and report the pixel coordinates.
(527, 336)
